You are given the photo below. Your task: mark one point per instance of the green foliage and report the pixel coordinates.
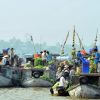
(40, 67)
(50, 62)
(44, 77)
(70, 62)
(27, 65)
(38, 61)
(92, 67)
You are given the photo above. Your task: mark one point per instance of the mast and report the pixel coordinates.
(95, 41)
(32, 43)
(81, 44)
(63, 46)
(73, 44)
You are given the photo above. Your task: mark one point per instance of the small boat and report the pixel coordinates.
(59, 92)
(85, 91)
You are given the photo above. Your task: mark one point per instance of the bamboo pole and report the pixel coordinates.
(81, 44)
(95, 41)
(63, 46)
(33, 43)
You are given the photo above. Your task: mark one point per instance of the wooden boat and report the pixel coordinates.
(5, 78)
(31, 78)
(10, 76)
(5, 82)
(59, 92)
(85, 91)
(33, 82)
(88, 87)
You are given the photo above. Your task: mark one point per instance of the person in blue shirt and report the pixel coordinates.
(49, 56)
(96, 56)
(79, 56)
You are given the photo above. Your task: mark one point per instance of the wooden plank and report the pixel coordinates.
(90, 74)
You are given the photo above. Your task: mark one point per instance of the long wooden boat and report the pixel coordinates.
(10, 76)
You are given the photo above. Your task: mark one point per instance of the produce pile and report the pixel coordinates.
(40, 67)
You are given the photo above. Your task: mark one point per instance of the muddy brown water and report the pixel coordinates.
(30, 94)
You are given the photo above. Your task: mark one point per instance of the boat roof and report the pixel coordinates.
(28, 55)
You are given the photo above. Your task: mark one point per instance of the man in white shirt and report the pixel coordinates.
(44, 57)
(64, 80)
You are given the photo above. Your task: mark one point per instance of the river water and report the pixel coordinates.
(29, 94)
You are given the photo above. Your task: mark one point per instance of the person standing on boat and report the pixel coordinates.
(44, 57)
(12, 56)
(49, 56)
(79, 55)
(5, 51)
(96, 57)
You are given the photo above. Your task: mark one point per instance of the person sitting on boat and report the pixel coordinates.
(72, 72)
(62, 84)
(59, 71)
(5, 60)
(63, 68)
(66, 66)
(64, 80)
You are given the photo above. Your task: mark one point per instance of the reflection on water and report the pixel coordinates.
(29, 94)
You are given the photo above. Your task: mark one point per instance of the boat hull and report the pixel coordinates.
(21, 77)
(5, 82)
(32, 82)
(85, 91)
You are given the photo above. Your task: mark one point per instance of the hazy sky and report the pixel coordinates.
(49, 20)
